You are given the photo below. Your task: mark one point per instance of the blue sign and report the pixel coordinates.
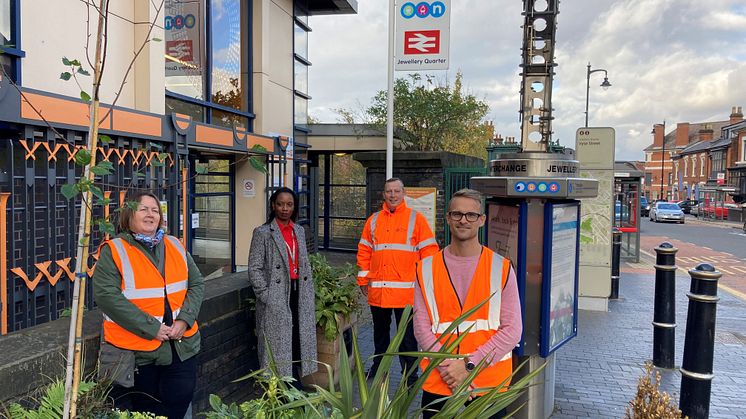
(519, 187)
(179, 22)
(436, 9)
(407, 10)
(542, 187)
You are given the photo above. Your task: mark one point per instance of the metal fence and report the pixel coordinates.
(41, 224)
(458, 178)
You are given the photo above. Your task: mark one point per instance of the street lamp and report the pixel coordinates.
(605, 86)
(663, 152)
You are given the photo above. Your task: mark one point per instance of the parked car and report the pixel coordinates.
(716, 211)
(666, 211)
(644, 207)
(687, 205)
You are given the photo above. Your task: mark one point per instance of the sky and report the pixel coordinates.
(678, 61)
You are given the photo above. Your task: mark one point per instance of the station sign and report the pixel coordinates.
(422, 35)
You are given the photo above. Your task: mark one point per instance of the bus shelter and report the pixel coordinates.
(627, 192)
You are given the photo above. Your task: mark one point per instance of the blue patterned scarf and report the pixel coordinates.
(149, 242)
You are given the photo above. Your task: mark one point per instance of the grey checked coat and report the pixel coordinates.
(270, 278)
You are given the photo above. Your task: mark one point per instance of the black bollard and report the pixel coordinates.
(699, 342)
(664, 312)
(616, 252)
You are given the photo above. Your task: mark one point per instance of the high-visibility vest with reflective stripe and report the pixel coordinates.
(443, 307)
(391, 245)
(143, 286)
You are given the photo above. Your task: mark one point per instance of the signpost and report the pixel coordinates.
(422, 35)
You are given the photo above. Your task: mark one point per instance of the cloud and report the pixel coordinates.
(678, 60)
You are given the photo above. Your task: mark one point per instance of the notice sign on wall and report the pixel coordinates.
(422, 35)
(249, 188)
(423, 200)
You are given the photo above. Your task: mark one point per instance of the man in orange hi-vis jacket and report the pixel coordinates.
(393, 240)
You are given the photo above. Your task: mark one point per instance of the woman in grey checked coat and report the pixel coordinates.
(280, 273)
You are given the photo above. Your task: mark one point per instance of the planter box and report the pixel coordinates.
(328, 353)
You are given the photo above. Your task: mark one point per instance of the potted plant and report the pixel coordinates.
(336, 308)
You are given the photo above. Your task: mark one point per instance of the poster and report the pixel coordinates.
(559, 287)
(502, 232)
(423, 200)
(182, 27)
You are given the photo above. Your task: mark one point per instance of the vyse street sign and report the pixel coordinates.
(422, 35)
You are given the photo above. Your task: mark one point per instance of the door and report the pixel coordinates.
(212, 216)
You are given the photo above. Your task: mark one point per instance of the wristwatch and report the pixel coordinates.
(469, 365)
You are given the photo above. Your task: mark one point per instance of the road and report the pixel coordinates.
(721, 239)
(722, 247)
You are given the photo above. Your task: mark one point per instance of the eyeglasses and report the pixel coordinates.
(458, 215)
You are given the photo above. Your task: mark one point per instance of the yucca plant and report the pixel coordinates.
(375, 402)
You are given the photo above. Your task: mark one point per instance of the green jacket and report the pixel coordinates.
(107, 291)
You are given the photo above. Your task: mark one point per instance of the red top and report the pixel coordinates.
(291, 245)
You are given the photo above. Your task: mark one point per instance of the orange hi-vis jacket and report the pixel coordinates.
(391, 245)
(144, 286)
(444, 306)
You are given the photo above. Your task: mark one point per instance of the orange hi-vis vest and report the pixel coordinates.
(390, 246)
(144, 286)
(444, 306)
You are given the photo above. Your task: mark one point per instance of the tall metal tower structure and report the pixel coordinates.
(539, 28)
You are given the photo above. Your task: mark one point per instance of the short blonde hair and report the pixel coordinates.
(469, 194)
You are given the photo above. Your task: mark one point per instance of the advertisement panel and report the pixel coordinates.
(423, 200)
(184, 48)
(422, 35)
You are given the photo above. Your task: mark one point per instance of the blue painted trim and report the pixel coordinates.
(301, 59)
(209, 105)
(16, 51)
(520, 268)
(301, 94)
(250, 61)
(546, 284)
(208, 57)
(232, 188)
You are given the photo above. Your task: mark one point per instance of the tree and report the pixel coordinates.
(436, 116)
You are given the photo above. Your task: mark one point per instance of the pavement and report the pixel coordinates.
(597, 372)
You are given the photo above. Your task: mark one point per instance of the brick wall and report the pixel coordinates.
(29, 358)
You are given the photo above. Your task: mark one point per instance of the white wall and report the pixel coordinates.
(55, 29)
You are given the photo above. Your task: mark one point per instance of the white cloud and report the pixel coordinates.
(678, 60)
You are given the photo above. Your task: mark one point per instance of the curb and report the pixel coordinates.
(729, 290)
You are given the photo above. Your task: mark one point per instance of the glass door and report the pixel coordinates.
(212, 217)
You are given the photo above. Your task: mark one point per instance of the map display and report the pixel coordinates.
(596, 220)
(559, 299)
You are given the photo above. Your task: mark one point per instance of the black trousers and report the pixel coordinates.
(165, 390)
(434, 408)
(382, 337)
(294, 296)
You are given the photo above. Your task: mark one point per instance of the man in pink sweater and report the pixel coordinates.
(458, 278)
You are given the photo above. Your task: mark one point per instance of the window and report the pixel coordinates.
(10, 40)
(694, 165)
(702, 165)
(206, 60)
(300, 66)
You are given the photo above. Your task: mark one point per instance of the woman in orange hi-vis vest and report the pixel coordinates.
(456, 279)
(150, 292)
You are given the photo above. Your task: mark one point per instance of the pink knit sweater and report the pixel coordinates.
(462, 270)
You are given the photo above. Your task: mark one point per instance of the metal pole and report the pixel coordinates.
(664, 311)
(616, 250)
(587, 92)
(663, 152)
(699, 342)
(390, 101)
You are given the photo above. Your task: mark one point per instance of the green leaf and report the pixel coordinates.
(69, 190)
(103, 202)
(162, 156)
(85, 96)
(65, 76)
(65, 61)
(140, 174)
(105, 139)
(102, 168)
(83, 72)
(156, 40)
(106, 227)
(97, 192)
(75, 63)
(257, 164)
(82, 157)
(258, 147)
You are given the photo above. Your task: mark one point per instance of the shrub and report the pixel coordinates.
(650, 402)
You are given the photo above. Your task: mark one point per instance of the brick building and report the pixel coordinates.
(691, 155)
